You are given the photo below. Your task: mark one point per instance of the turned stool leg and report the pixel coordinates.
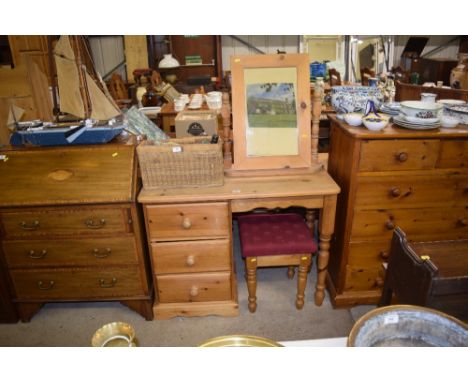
(290, 272)
(251, 266)
(302, 279)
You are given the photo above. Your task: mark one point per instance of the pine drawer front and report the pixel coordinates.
(191, 256)
(418, 224)
(396, 190)
(454, 154)
(82, 252)
(69, 284)
(368, 254)
(396, 155)
(188, 221)
(197, 287)
(82, 221)
(364, 278)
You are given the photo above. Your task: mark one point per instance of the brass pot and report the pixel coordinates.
(114, 334)
(239, 341)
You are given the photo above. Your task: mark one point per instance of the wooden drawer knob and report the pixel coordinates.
(463, 222)
(379, 281)
(34, 255)
(395, 191)
(303, 105)
(389, 225)
(194, 291)
(402, 156)
(190, 261)
(29, 226)
(186, 223)
(384, 255)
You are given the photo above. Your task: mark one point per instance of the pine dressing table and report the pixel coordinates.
(190, 229)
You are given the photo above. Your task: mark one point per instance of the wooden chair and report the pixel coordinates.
(366, 73)
(118, 90)
(335, 77)
(431, 274)
(270, 240)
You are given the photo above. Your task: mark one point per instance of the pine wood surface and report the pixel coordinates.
(188, 221)
(423, 191)
(191, 256)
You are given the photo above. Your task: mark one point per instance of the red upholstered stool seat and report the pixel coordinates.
(276, 240)
(274, 234)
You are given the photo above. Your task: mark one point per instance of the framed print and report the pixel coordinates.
(271, 111)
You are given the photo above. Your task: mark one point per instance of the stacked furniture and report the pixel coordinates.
(416, 180)
(70, 227)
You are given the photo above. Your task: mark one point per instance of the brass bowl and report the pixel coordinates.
(114, 334)
(239, 341)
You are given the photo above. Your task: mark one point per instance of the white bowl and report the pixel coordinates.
(458, 111)
(449, 121)
(375, 123)
(353, 119)
(420, 109)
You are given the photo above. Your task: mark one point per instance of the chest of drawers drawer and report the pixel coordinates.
(65, 221)
(80, 283)
(191, 256)
(188, 221)
(454, 154)
(419, 224)
(73, 252)
(197, 287)
(418, 189)
(397, 155)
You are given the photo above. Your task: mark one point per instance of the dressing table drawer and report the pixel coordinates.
(188, 221)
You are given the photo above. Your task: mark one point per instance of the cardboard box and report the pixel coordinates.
(195, 123)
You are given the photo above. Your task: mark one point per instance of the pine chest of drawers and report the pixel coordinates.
(71, 229)
(191, 256)
(417, 180)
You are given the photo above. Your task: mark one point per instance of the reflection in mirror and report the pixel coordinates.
(271, 121)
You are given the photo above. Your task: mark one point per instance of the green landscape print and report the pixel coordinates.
(271, 105)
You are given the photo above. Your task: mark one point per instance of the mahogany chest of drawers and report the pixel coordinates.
(71, 229)
(417, 180)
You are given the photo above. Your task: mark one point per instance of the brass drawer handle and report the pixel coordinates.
(41, 255)
(186, 223)
(101, 255)
(43, 286)
(463, 222)
(389, 225)
(384, 255)
(104, 284)
(395, 192)
(29, 227)
(194, 291)
(402, 156)
(190, 261)
(91, 224)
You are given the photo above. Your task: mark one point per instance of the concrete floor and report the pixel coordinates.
(73, 324)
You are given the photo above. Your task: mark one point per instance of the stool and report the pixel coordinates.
(275, 240)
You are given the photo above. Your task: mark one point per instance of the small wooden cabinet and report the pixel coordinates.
(416, 180)
(71, 229)
(192, 260)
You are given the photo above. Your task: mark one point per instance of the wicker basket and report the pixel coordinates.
(181, 162)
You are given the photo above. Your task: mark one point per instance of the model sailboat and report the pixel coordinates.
(83, 95)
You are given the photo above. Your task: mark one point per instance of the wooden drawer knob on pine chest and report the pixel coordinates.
(402, 156)
(186, 223)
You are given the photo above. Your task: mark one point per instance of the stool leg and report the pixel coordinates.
(302, 279)
(251, 266)
(290, 272)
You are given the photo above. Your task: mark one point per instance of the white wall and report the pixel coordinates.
(267, 44)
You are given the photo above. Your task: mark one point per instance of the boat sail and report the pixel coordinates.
(80, 94)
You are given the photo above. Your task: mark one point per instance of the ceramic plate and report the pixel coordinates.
(422, 121)
(401, 122)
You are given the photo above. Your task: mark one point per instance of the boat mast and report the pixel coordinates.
(82, 77)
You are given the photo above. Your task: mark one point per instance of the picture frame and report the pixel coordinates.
(271, 111)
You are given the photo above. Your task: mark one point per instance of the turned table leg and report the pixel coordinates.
(251, 270)
(302, 279)
(327, 222)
